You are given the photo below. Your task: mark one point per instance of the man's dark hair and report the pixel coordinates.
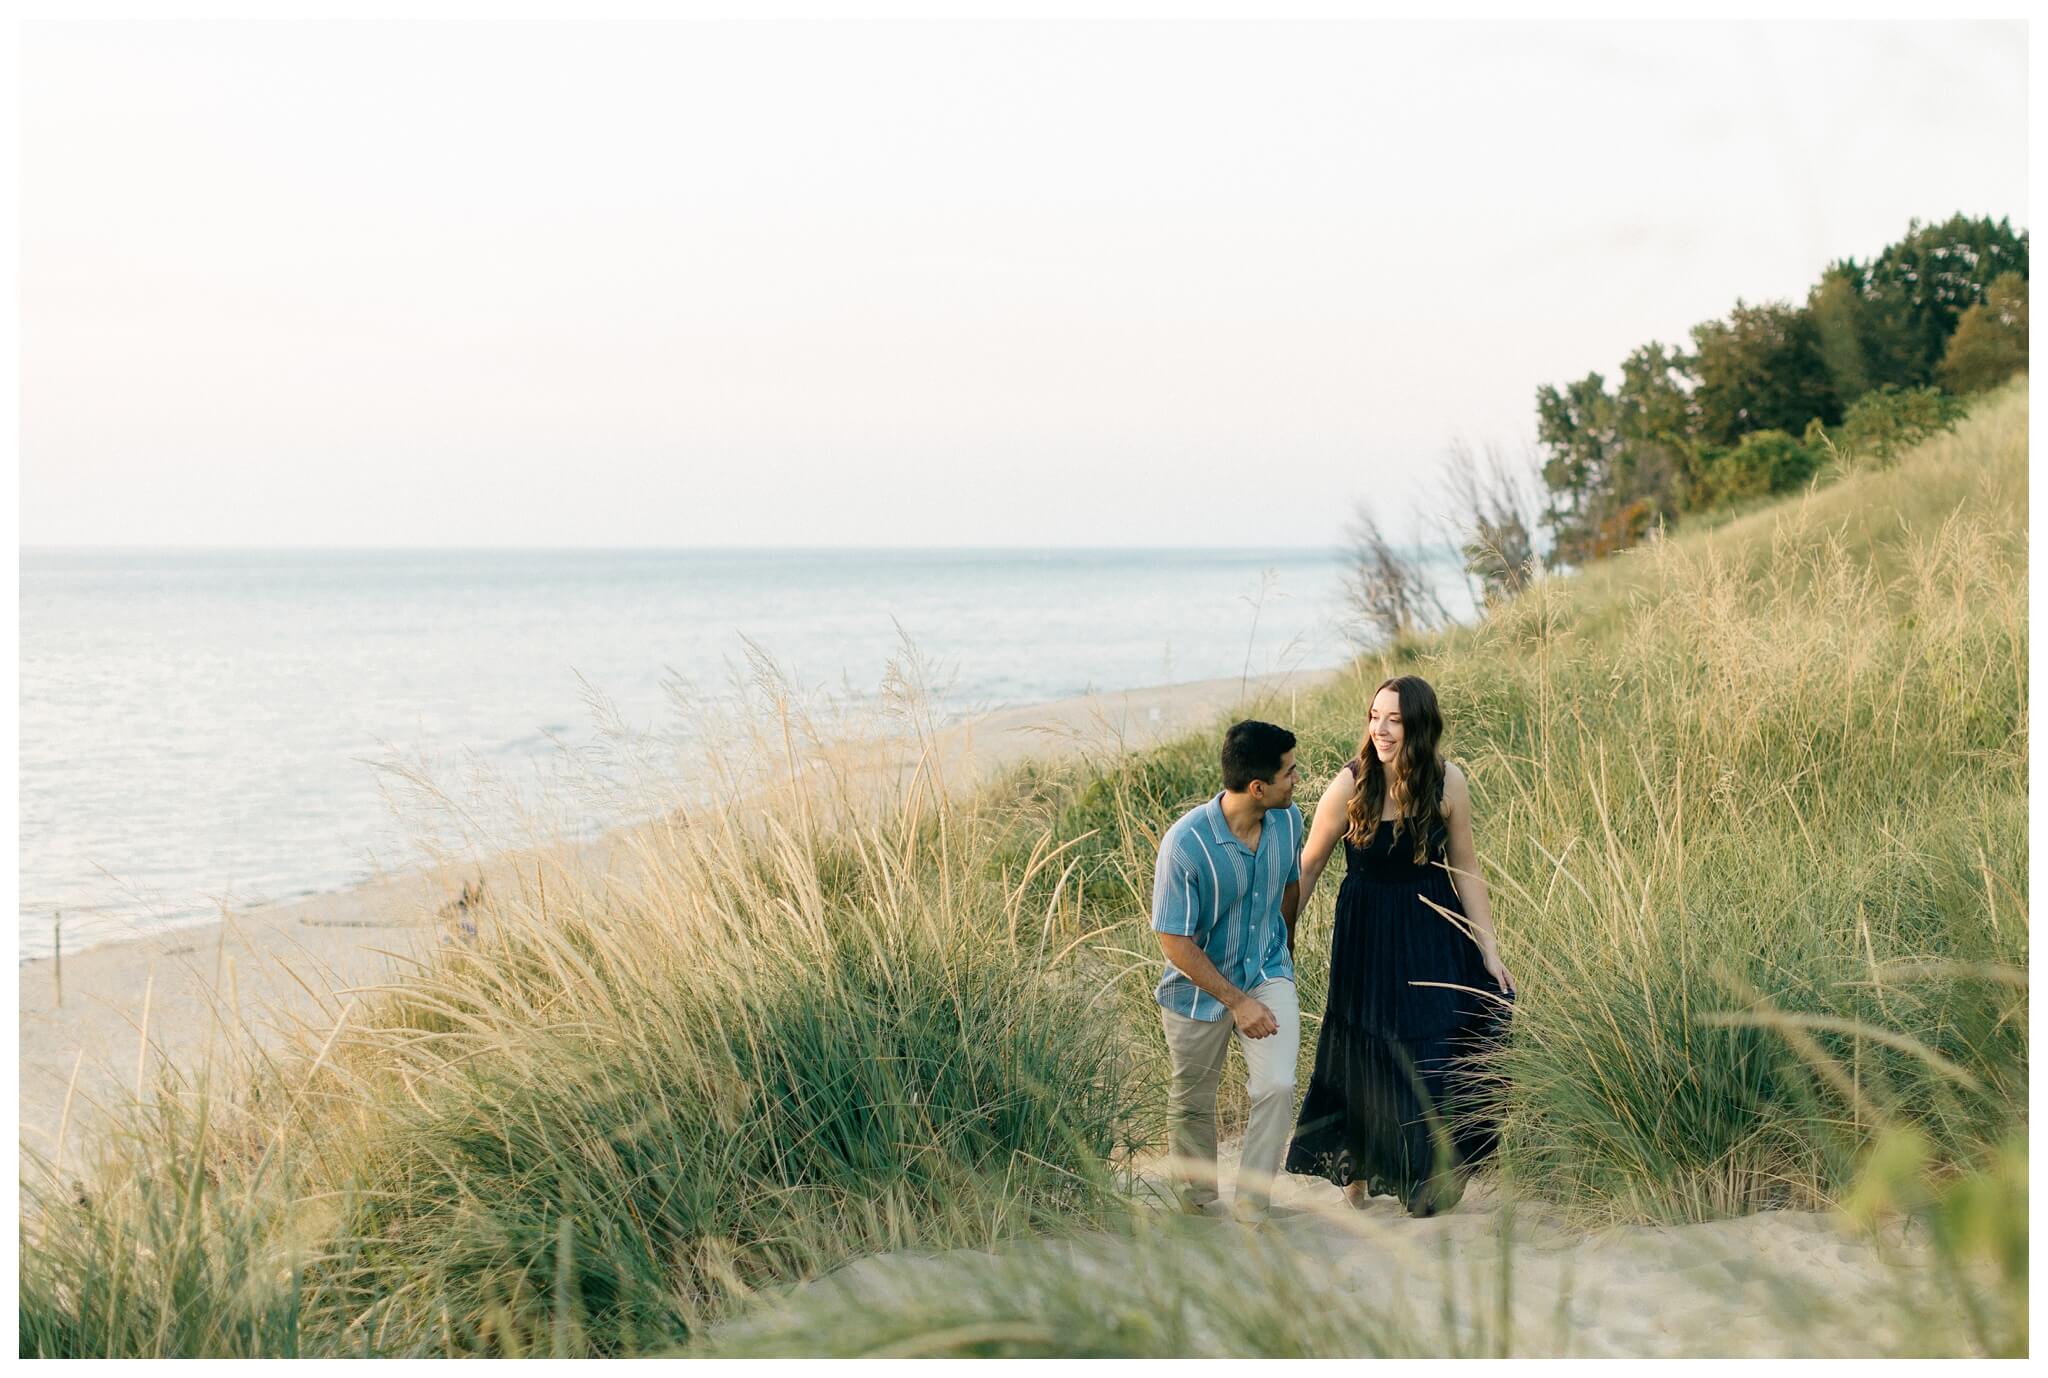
(1252, 751)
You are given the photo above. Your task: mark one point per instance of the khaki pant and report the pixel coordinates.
(1197, 1049)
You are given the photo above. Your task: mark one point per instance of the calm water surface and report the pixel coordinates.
(200, 728)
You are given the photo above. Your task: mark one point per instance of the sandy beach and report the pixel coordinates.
(197, 997)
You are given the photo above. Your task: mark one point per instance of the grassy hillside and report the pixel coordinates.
(1734, 790)
(1753, 803)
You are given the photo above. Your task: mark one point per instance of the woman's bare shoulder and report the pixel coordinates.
(1456, 792)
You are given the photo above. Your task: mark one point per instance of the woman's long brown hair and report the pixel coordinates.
(1418, 766)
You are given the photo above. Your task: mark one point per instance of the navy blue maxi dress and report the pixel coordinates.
(1401, 1097)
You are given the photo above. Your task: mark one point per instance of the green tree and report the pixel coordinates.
(1765, 462)
(1919, 288)
(1577, 427)
(1617, 462)
(1889, 421)
(1654, 417)
(1990, 343)
(1842, 326)
(1760, 370)
(1851, 365)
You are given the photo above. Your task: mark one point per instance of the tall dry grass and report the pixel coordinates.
(1752, 804)
(783, 1038)
(1775, 777)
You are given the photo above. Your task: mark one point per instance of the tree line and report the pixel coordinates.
(1879, 357)
(1875, 358)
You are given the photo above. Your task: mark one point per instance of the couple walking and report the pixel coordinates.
(1396, 1103)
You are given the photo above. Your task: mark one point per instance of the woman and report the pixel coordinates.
(1397, 1104)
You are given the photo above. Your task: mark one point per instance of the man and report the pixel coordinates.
(1224, 902)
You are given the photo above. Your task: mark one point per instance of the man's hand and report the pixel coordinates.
(1253, 1019)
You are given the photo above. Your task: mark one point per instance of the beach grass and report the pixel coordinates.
(1752, 803)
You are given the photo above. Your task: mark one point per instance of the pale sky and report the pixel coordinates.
(908, 284)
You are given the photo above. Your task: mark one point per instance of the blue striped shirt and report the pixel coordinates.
(1214, 889)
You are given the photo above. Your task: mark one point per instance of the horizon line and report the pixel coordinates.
(51, 548)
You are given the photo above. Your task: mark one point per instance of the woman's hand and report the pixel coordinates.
(1499, 973)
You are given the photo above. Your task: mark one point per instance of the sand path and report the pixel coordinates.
(1773, 1284)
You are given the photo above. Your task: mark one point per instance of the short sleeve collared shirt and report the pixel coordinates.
(1211, 887)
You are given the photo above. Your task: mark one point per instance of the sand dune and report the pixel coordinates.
(1778, 1283)
(1773, 1284)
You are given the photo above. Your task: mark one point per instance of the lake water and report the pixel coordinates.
(206, 728)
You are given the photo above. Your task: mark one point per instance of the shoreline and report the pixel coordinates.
(197, 922)
(241, 981)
